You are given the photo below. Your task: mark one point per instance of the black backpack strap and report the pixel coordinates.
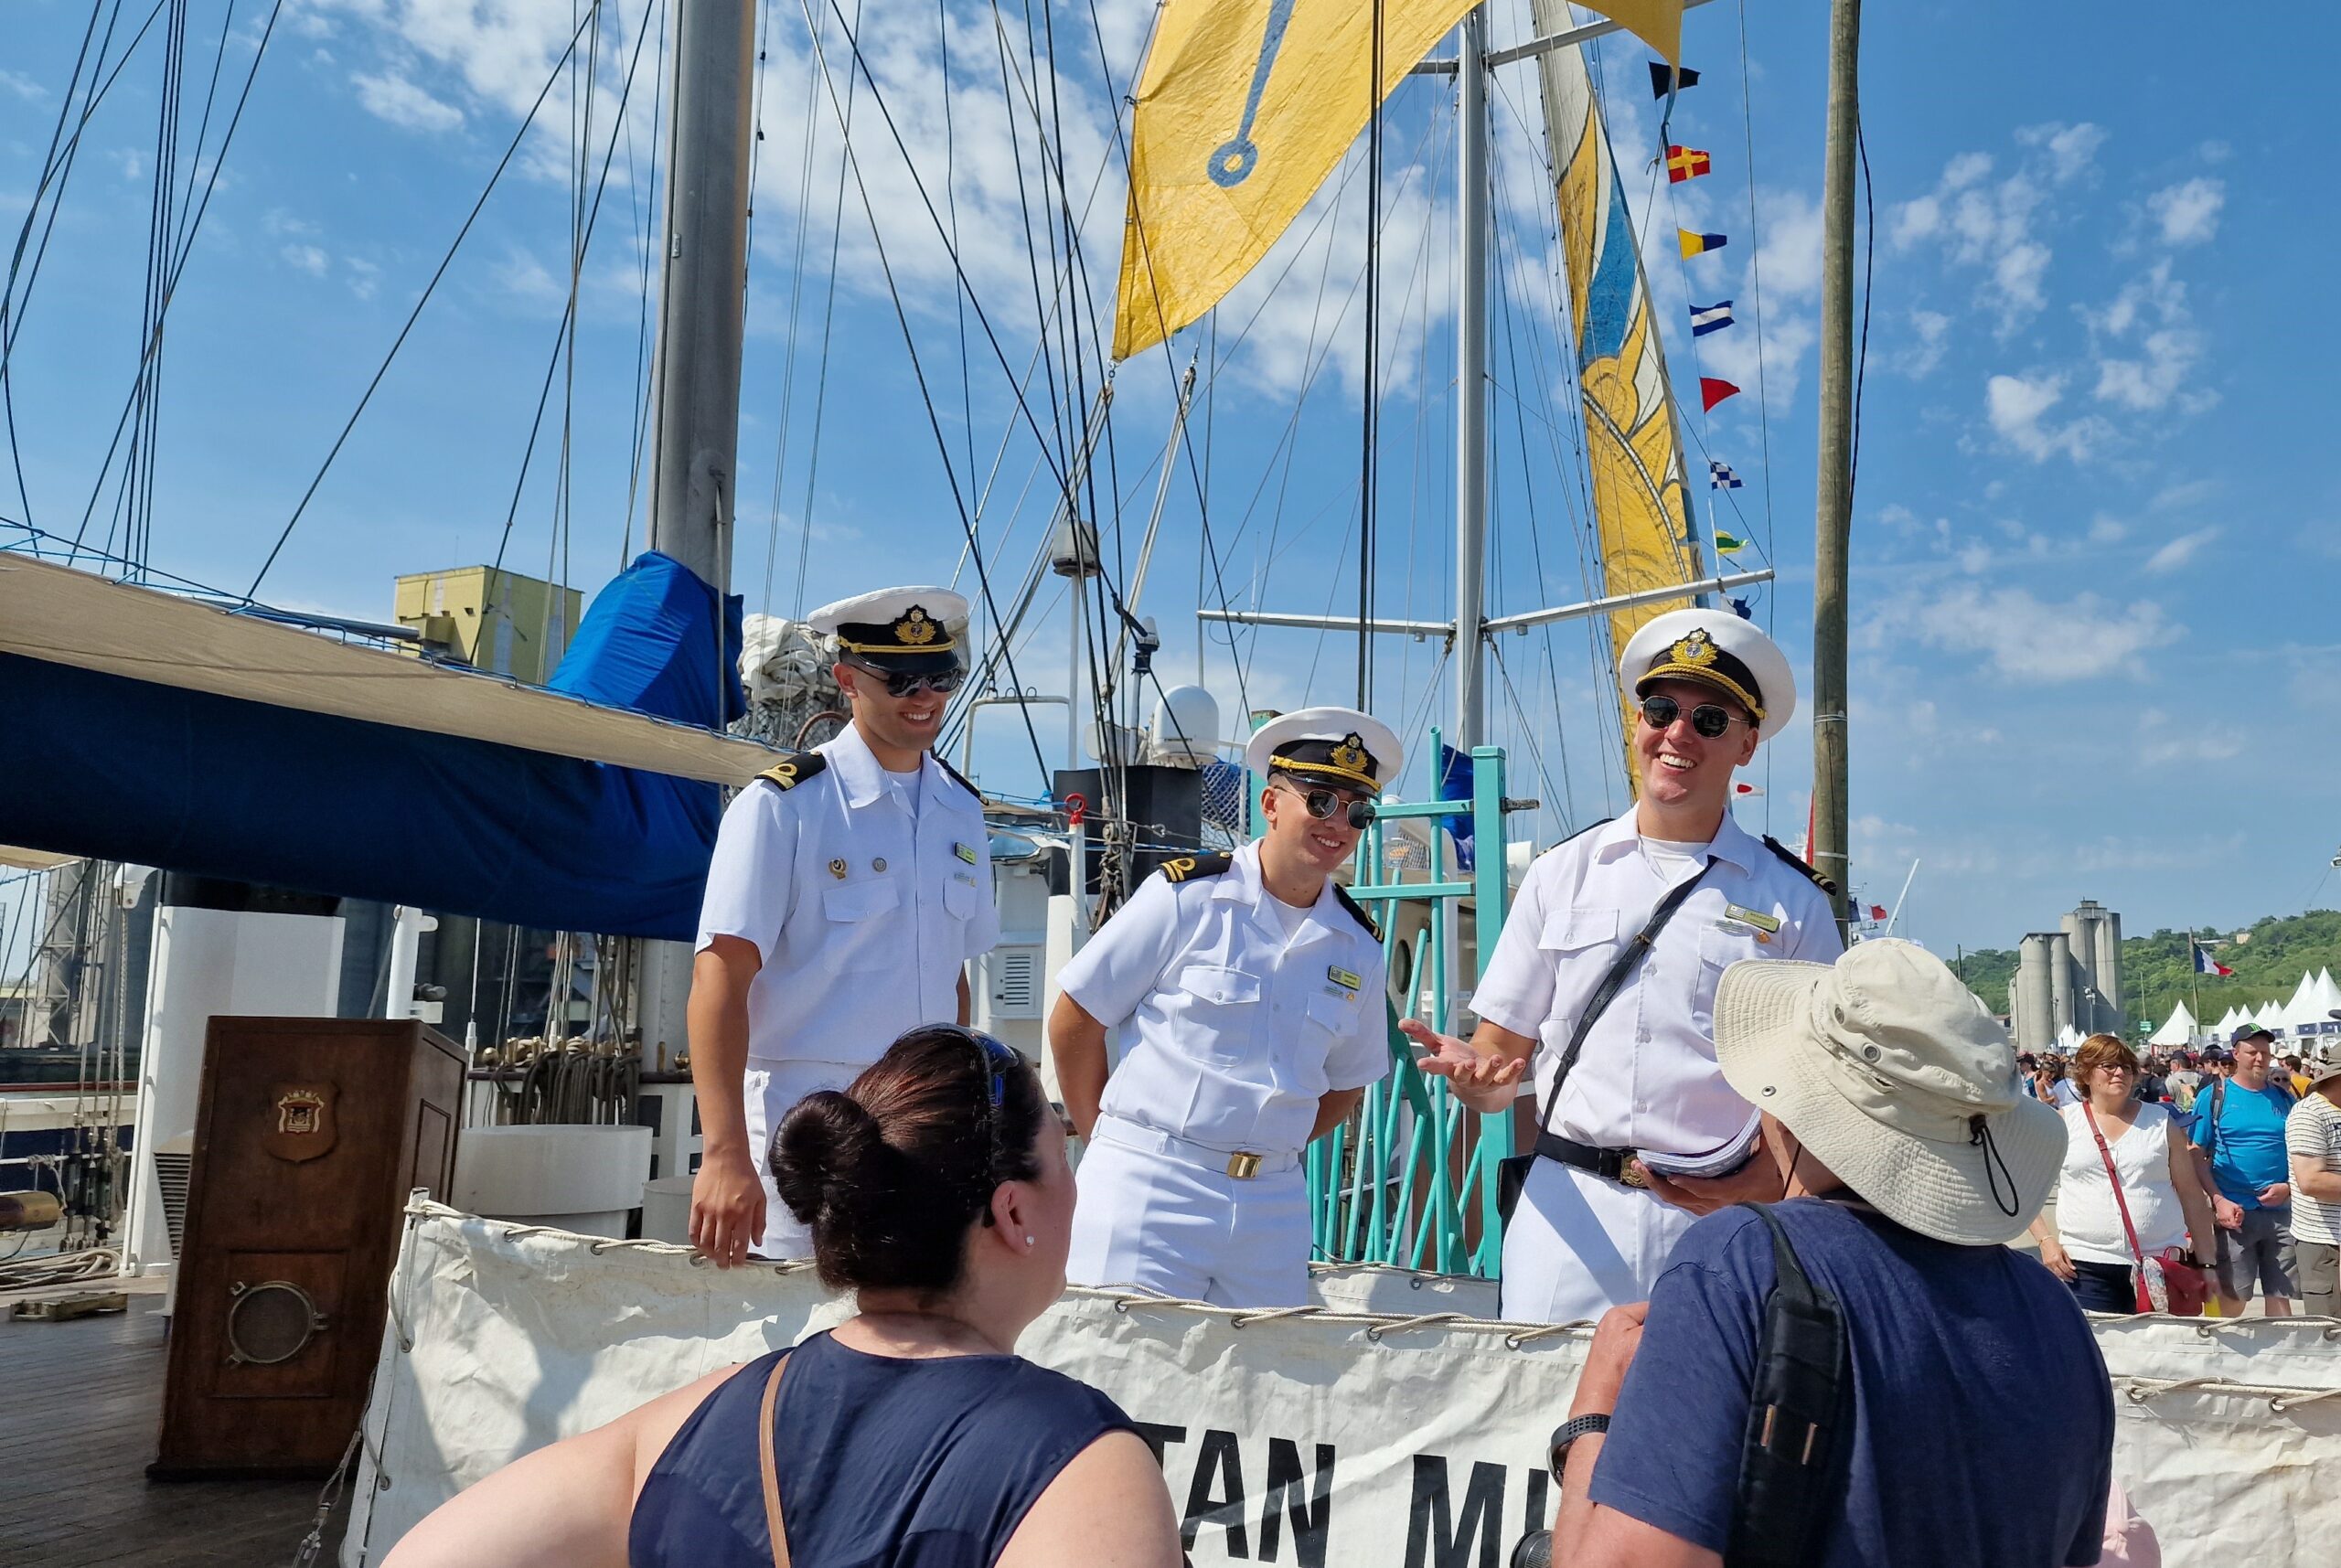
(1796, 1412)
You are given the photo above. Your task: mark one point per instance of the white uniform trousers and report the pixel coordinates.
(1169, 1223)
(1578, 1246)
(771, 1090)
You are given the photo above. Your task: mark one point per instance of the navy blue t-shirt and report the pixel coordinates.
(1983, 1429)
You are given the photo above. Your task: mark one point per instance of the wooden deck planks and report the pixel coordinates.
(80, 1404)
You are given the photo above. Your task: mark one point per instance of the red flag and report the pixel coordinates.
(1877, 912)
(1686, 164)
(1713, 391)
(1738, 788)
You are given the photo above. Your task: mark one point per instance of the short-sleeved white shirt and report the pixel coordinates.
(1647, 1077)
(2313, 1132)
(1230, 1033)
(864, 912)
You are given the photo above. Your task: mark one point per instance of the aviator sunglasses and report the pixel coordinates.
(943, 683)
(1706, 719)
(1321, 804)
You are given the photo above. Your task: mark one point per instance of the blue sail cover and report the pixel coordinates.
(119, 769)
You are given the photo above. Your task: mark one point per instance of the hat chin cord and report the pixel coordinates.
(1995, 1168)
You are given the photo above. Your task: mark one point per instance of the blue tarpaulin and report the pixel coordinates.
(121, 769)
(1455, 784)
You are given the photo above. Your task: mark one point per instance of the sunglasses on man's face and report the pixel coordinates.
(1707, 719)
(1321, 804)
(943, 683)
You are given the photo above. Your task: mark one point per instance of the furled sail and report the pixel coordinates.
(1633, 450)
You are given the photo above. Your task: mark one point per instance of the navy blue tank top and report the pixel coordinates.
(883, 1462)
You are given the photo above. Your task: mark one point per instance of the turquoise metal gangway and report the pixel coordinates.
(1410, 1180)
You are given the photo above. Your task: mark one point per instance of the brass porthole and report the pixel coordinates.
(270, 1322)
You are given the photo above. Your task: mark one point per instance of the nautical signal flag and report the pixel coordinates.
(1726, 544)
(1707, 318)
(1739, 788)
(1698, 244)
(1877, 912)
(1663, 81)
(1686, 164)
(1721, 477)
(1713, 391)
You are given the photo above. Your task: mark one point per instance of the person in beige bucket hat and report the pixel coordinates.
(1973, 1424)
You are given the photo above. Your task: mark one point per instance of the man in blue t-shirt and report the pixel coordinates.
(1977, 1428)
(2240, 1140)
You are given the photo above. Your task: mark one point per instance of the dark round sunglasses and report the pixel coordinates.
(943, 683)
(1707, 719)
(1321, 804)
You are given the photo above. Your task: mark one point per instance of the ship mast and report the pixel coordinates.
(1833, 500)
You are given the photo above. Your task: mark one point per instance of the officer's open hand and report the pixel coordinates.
(1470, 1071)
(727, 1209)
(1757, 1181)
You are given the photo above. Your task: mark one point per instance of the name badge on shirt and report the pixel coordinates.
(1344, 978)
(965, 852)
(1770, 924)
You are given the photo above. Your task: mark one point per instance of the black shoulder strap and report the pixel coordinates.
(957, 776)
(2219, 1098)
(795, 769)
(1611, 984)
(1357, 911)
(1187, 867)
(1815, 878)
(1795, 1410)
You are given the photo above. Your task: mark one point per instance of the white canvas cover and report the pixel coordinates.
(2302, 1011)
(2176, 1030)
(1316, 1437)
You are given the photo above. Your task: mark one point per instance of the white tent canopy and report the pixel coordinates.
(2270, 1017)
(2307, 1009)
(2177, 1031)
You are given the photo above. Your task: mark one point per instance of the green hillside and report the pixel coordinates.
(2158, 975)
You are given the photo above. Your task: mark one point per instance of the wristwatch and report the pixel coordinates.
(1568, 1432)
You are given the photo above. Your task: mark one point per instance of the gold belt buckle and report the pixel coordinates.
(1243, 1167)
(1629, 1174)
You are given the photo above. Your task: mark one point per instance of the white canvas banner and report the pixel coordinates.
(1386, 1430)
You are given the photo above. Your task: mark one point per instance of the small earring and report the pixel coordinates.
(1028, 1240)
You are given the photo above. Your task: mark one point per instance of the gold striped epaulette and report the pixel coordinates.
(795, 769)
(1357, 911)
(1187, 867)
(1815, 878)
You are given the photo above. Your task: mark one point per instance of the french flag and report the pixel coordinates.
(2207, 965)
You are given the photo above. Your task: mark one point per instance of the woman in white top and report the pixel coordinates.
(2088, 1246)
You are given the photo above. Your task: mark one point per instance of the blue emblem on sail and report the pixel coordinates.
(1233, 161)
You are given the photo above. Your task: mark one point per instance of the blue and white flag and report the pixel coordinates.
(1721, 477)
(1707, 318)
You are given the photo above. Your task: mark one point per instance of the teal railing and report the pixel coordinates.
(1410, 1179)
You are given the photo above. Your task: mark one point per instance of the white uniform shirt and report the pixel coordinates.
(1647, 1077)
(1230, 1032)
(863, 912)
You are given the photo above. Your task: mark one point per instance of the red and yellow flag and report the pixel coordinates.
(1684, 164)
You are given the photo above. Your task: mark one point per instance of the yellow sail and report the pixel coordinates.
(1641, 505)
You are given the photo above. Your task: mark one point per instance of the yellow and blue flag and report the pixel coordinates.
(1697, 244)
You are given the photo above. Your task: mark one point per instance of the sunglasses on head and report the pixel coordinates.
(1321, 804)
(943, 683)
(1707, 719)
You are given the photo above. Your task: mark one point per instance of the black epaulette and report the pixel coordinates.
(1187, 867)
(1357, 911)
(957, 776)
(795, 769)
(1815, 878)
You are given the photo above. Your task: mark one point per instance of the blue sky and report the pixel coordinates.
(2095, 544)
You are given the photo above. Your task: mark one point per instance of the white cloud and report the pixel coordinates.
(2071, 149)
(1992, 225)
(1930, 339)
(401, 102)
(2103, 529)
(2168, 348)
(2213, 745)
(2188, 212)
(2018, 407)
(309, 258)
(2180, 551)
(23, 86)
(2021, 637)
(365, 277)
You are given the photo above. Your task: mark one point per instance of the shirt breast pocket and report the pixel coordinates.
(1579, 944)
(959, 898)
(859, 936)
(1718, 949)
(1221, 1013)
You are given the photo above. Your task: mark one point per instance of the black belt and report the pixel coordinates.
(1609, 1164)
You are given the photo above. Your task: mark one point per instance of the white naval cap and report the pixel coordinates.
(912, 630)
(1337, 746)
(1718, 648)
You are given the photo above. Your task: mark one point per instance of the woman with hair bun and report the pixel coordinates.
(911, 1436)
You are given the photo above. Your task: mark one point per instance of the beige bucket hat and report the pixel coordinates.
(1895, 1076)
(2323, 1061)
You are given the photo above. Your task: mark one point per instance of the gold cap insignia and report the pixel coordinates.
(1349, 754)
(914, 629)
(1697, 650)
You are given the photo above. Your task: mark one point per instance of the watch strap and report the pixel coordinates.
(1568, 1432)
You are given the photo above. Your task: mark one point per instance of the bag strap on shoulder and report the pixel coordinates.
(1795, 1412)
(772, 1525)
(1612, 982)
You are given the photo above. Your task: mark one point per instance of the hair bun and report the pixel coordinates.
(825, 1149)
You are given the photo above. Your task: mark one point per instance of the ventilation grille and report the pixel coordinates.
(1016, 983)
(171, 1173)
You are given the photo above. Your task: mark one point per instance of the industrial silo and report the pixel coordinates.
(2080, 935)
(2109, 970)
(2063, 986)
(2033, 1030)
